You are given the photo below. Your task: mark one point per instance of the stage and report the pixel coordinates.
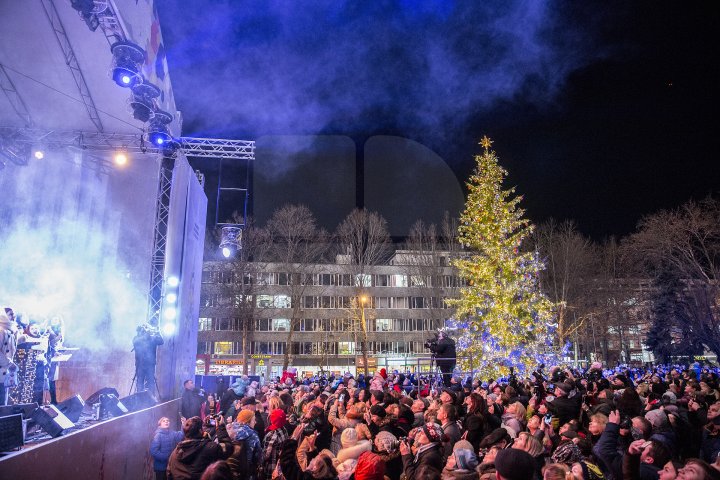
(117, 448)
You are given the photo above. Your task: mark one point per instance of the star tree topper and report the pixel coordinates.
(485, 142)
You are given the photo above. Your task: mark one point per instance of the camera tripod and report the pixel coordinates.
(137, 385)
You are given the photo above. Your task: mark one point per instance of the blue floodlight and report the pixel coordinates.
(170, 313)
(171, 297)
(168, 329)
(173, 281)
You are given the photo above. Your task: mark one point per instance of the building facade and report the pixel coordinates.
(315, 315)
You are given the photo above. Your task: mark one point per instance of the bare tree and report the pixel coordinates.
(364, 241)
(298, 245)
(569, 262)
(684, 243)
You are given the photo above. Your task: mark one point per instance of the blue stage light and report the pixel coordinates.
(127, 58)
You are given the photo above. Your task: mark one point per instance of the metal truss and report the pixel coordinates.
(7, 86)
(131, 143)
(157, 265)
(71, 61)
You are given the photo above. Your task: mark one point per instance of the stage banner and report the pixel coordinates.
(183, 259)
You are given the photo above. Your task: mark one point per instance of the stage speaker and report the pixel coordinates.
(51, 420)
(95, 397)
(109, 403)
(138, 401)
(11, 432)
(72, 407)
(24, 409)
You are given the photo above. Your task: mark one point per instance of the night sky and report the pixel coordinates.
(601, 111)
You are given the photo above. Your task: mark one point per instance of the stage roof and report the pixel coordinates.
(34, 66)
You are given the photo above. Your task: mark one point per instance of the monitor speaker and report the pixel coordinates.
(11, 432)
(24, 409)
(95, 397)
(138, 401)
(72, 407)
(109, 403)
(51, 420)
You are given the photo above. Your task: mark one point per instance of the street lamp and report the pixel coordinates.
(363, 348)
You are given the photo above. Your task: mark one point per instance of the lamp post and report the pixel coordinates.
(363, 347)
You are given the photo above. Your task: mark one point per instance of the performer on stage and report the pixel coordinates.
(7, 351)
(145, 346)
(55, 340)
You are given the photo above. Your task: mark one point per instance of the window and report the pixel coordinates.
(344, 280)
(282, 301)
(363, 280)
(398, 281)
(346, 348)
(264, 301)
(417, 302)
(223, 348)
(262, 325)
(204, 324)
(381, 280)
(223, 324)
(280, 324)
(203, 348)
(419, 281)
(383, 324)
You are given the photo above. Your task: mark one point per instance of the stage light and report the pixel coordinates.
(171, 297)
(173, 281)
(168, 329)
(127, 58)
(39, 154)
(231, 240)
(141, 101)
(159, 135)
(121, 158)
(170, 313)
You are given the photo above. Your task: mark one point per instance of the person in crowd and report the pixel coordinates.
(163, 443)
(447, 417)
(247, 452)
(514, 464)
(191, 400)
(461, 463)
(347, 457)
(275, 437)
(209, 407)
(196, 451)
(7, 352)
(370, 466)
(219, 470)
(425, 449)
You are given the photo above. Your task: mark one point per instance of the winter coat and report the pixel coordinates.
(162, 445)
(393, 464)
(452, 431)
(431, 457)
(190, 403)
(253, 448)
(347, 458)
(7, 352)
(192, 456)
(377, 382)
(608, 453)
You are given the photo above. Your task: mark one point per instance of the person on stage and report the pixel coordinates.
(7, 351)
(445, 356)
(145, 346)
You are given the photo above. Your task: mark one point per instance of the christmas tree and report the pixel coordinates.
(502, 320)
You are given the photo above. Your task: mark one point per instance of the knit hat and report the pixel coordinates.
(245, 416)
(669, 398)
(348, 437)
(433, 432)
(278, 419)
(515, 464)
(386, 441)
(465, 457)
(657, 418)
(383, 373)
(591, 471)
(567, 453)
(369, 467)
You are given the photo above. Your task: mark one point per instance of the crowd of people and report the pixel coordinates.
(560, 424)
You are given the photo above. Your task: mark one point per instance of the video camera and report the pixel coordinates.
(432, 343)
